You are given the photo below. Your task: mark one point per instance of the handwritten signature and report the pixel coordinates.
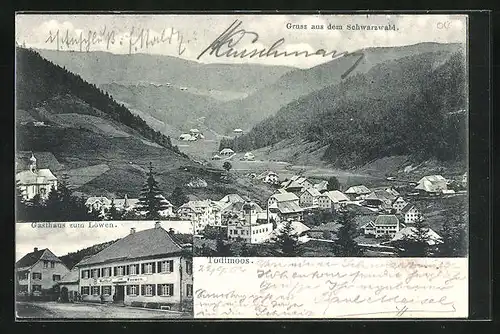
(233, 35)
(138, 39)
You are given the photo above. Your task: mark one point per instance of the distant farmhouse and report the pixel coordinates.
(358, 192)
(226, 152)
(433, 184)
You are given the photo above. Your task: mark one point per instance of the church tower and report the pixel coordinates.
(32, 163)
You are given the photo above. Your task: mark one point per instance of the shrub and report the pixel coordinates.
(137, 304)
(153, 305)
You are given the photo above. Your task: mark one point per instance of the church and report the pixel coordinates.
(35, 181)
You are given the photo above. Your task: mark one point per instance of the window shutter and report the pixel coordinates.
(114, 271)
(158, 289)
(142, 290)
(158, 267)
(127, 269)
(154, 289)
(99, 290)
(171, 293)
(171, 265)
(127, 289)
(142, 268)
(154, 267)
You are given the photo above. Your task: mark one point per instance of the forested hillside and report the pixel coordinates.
(414, 106)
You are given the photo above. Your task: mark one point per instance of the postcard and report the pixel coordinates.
(241, 166)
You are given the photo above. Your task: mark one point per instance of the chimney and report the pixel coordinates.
(132, 230)
(35, 249)
(157, 225)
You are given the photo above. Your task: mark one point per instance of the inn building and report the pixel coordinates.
(149, 266)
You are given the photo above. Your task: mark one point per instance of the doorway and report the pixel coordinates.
(119, 293)
(64, 295)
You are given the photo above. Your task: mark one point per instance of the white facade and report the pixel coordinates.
(399, 204)
(36, 181)
(201, 214)
(309, 197)
(412, 215)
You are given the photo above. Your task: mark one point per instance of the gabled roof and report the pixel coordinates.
(372, 196)
(151, 242)
(432, 178)
(358, 190)
(94, 199)
(284, 197)
(32, 258)
(321, 185)
(39, 176)
(386, 220)
(228, 150)
(238, 206)
(407, 208)
(72, 276)
(369, 224)
(289, 207)
(410, 231)
(313, 191)
(297, 228)
(43, 160)
(231, 198)
(336, 196)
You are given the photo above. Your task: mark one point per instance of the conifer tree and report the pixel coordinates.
(346, 245)
(20, 205)
(416, 244)
(113, 213)
(150, 199)
(454, 238)
(178, 197)
(287, 241)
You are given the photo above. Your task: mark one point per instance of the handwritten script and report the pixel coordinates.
(332, 288)
(135, 40)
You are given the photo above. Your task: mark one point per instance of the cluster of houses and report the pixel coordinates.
(102, 205)
(228, 153)
(193, 135)
(148, 266)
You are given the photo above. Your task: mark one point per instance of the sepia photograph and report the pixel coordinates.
(146, 142)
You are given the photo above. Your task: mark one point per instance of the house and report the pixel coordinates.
(238, 132)
(369, 229)
(321, 186)
(147, 266)
(201, 214)
(271, 178)
(284, 206)
(410, 231)
(372, 200)
(432, 184)
(247, 222)
(216, 157)
(332, 199)
(187, 137)
(386, 225)
(398, 204)
(38, 272)
(230, 199)
(358, 192)
(226, 152)
(69, 285)
(98, 204)
(309, 197)
(298, 229)
(249, 156)
(297, 184)
(197, 183)
(126, 204)
(35, 181)
(411, 214)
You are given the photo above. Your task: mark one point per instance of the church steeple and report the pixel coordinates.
(32, 163)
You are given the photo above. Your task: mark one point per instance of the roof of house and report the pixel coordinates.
(226, 150)
(336, 196)
(373, 196)
(232, 198)
(358, 190)
(238, 206)
(43, 160)
(150, 242)
(369, 224)
(321, 185)
(249, 154)
(287, 207)
(407, 208)
(433, 178)
(297, 228)
(284, 197)
(313, 191)
(94, 199)
(39, 176)
(72, 276)
(31, 258)
(428, 186)
(131, 202)
(386, 220)
(410, 231)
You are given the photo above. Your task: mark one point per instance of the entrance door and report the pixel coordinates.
(119, 293)
(64, 295)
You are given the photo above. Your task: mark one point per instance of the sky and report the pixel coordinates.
(191, 34)
(62, 241)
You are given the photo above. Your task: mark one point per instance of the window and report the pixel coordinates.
(37, 287)
(132, 290)
(148, 290)
(37, 275)
(106, 290)
(95, 273)
(166, 266)
(52, 264)
(189, 290)
(45, 264)
(85, 273)
(96, 290)
(106, 272)
(85, 290)
(119, 271)
(148, 268)
(165, 289)
(189, 267)
(133, 269)
(56, 278)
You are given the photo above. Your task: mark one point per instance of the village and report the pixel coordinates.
(383, 217)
